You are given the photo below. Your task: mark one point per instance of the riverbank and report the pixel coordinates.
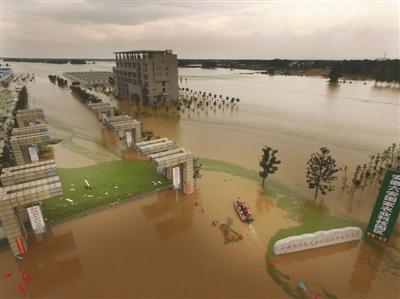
(109, 183)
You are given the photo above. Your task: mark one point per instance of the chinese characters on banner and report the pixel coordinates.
(386, 209)
(36, 219)
(176, 177)
(317, 239)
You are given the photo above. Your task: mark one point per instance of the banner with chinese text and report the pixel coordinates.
(387, 206)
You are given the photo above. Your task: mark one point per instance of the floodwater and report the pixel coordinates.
(166, 246)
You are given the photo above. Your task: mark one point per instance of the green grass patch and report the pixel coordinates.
(110, 182)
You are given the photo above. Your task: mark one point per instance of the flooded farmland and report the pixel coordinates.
(168, 246)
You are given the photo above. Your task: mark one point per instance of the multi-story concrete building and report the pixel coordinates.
(149, 76)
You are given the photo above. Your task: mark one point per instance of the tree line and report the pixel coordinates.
(380, 70)
(59, 80)
(83, 95)
(321, 170)
(46, 60)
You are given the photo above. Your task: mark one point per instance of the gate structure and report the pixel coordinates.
(102, 110)
(125, 127)
(177, 165)
(24, 146)
(29, 117)
(15, 199)
(155, 146)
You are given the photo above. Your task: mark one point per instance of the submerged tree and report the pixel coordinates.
(22, 101)
(320, 174)
(335, 73)
(268, 163)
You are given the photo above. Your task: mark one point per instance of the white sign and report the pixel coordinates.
(33, 154)
(176, 177)
(317, 239)
(129, 138)
(36, 219)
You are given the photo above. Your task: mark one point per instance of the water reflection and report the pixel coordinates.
(176, 213)
(52, 262)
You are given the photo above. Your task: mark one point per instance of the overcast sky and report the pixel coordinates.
(201, 29)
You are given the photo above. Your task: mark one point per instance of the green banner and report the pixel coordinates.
(387, 206)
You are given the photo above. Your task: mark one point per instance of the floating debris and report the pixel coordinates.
(21, 288)
(115, 187)
(106, 193)
(25, 276)
(69, 200)
(89, 195)
(72, 189)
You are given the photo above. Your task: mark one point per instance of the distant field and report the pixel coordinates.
(110, 182)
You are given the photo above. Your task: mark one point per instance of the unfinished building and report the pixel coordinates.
(155, 146)
(177, 165)
(102, 110)
(29, 117)
(125, 127)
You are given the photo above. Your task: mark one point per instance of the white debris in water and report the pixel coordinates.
(159, 182)
(90, 195)
(72, 185)
(106, 193)
(115, 187)
(69, 200)
(72, 189)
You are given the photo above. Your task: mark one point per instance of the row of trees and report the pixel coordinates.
(372, 173)
(201, 100)
(321, 170)
(61, 82)
(381, 70)
(83, 95)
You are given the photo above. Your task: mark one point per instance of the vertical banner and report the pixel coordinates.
(33, 153)
(387, 206)
(103, 117)
(176, 177)
(20, 245)
(36, 219)
(129, 138)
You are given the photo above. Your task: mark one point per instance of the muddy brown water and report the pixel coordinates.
(165, 246)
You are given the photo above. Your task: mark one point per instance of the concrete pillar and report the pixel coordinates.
(18, 155)
(12, 227)
(188, 181)
(138, 133)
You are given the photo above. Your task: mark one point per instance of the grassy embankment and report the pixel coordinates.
(110, 182)
(312, 216)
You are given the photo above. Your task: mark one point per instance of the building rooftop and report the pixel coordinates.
(166, 51)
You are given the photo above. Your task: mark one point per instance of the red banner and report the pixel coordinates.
(20, 244)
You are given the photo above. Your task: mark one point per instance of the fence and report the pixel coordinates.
(105, 206)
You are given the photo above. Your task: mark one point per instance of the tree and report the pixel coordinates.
(268, 163)
(22, 102)
(320, 174)
(335, 73)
